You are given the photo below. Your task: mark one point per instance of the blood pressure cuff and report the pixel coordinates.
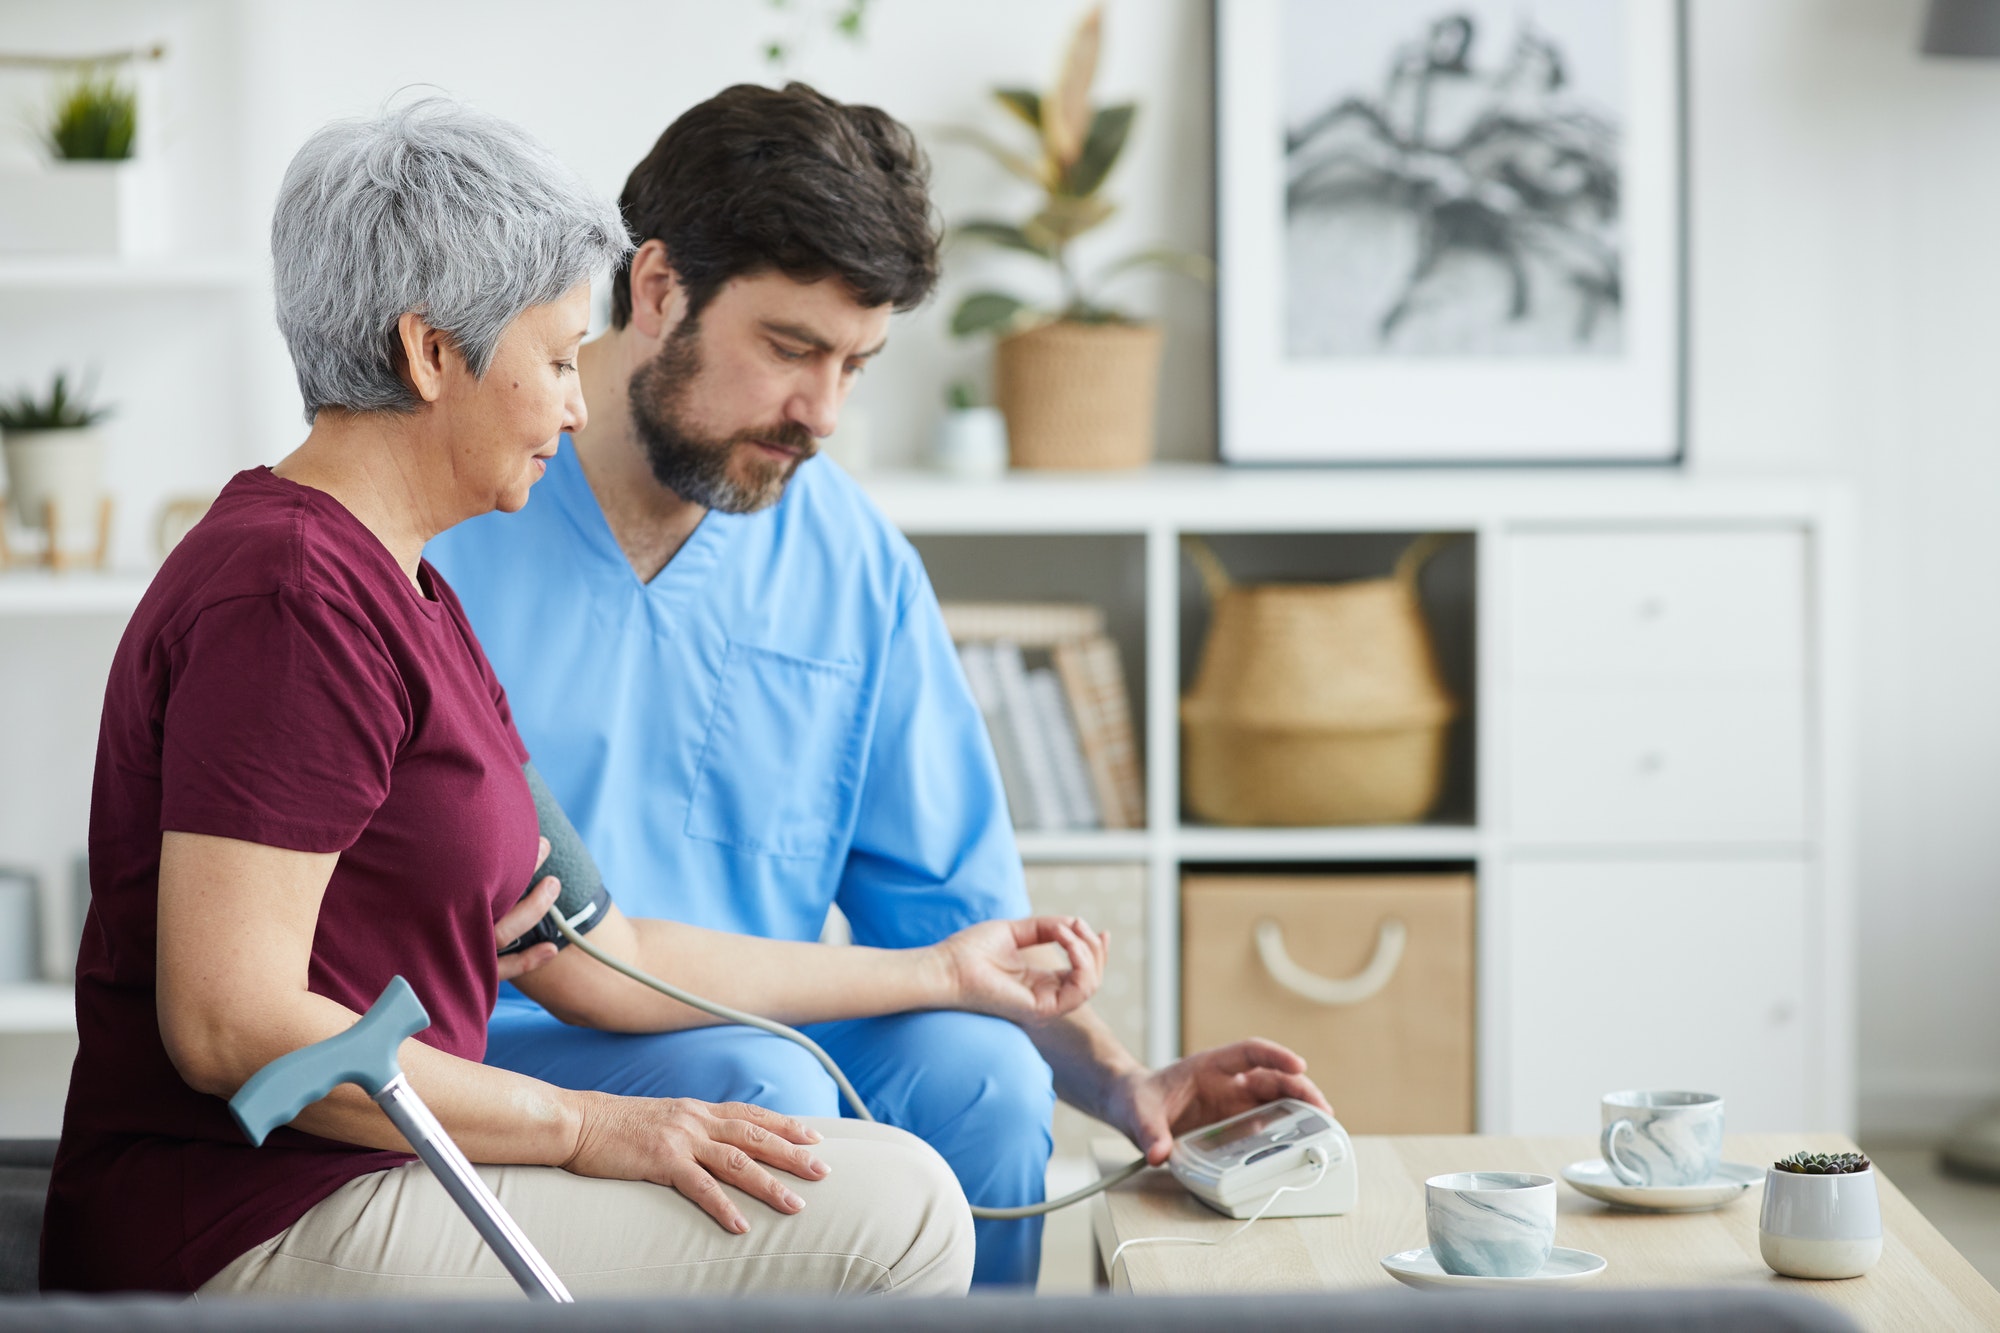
(584, 901)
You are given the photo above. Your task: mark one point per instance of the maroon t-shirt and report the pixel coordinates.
(284, 683)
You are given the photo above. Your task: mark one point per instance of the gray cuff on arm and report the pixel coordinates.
(584, 900)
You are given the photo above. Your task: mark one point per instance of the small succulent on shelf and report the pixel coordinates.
(60, 410)
(1822, 1164)
(94, 119)
(1076, 146)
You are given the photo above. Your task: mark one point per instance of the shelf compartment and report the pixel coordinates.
(1447, 588)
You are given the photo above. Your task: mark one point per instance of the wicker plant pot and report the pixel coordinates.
(1315, 703)
(1079, 395)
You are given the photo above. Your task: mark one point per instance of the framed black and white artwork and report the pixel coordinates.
(1451, 231)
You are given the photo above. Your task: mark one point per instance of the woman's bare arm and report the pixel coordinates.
(236, 923)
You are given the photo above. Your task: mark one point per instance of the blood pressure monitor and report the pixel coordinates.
(1235, 1165)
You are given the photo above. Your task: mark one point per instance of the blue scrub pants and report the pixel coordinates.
(972, 1087)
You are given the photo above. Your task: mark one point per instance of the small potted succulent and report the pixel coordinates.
(55, 466)
(1821, 1218)
(1077, 378)
(972, 437)
(94, 195)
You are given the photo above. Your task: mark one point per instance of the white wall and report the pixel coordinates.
(1845, 201)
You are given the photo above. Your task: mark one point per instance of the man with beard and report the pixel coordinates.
(733, 673)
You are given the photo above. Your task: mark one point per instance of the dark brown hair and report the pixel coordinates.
(758, 178)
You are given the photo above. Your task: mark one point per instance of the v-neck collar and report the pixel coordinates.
(680, 576)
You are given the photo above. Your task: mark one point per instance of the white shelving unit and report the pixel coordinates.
(91, 273)
(37, 592)
(1569, 966)
(37, 1007)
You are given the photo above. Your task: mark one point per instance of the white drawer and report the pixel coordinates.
(1601, 764)
(1659, 605)
(1670, 974)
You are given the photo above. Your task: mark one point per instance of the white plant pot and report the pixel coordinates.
(1820, 1226)
(972, 442)
(66, 466)
(84, 208)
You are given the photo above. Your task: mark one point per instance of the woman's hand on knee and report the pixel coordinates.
(696, 1147)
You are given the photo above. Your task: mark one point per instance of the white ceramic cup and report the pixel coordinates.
(1491, 1223)
(1662, 1138)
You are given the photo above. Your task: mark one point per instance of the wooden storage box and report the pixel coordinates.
(1370, 978)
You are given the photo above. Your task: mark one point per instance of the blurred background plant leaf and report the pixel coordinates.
(1003, 234)
(1109, 129)
(1024, 103)
(986, 312)
(1066, 113)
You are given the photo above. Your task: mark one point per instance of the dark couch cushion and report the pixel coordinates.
(24, 1187)
(1743, 1311)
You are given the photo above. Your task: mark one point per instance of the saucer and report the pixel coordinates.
(1731, 1179)
(1565, 1268)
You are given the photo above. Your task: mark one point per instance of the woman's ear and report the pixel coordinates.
(424, 350)
(659, 301)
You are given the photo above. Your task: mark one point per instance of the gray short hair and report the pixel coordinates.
(432, 207)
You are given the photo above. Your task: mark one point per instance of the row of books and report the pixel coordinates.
(1048, 681)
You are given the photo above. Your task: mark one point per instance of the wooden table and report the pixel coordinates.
(1921, 1283)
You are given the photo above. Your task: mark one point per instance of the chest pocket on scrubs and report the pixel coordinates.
(782, 759)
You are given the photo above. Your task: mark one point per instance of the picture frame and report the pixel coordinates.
(1451, 232)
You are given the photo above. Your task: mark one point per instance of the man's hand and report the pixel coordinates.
(520, 918)
(991, 970)
(1152, 1106)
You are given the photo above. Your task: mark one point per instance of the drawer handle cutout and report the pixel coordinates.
(1363, 985)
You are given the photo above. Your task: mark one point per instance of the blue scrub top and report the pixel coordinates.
(776, 722)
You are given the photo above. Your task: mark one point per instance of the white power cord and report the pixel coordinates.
(1313, 1154)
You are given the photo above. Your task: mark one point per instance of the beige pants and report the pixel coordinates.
(887, 1217)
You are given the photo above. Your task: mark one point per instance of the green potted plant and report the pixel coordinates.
(1075, 378)
(55, 467)
(1821, 1216)
(972, 437)
(94, 195)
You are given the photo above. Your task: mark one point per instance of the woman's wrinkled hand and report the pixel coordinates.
(520, 919)
(995, 968)
(697, 1148)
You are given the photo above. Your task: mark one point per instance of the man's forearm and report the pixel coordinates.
(1089, 1062)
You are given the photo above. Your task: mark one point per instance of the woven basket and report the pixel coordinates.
(1315, 703)
(1079, 395)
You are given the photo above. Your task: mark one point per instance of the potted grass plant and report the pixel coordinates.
(55, 466)
(1076, 378)
(95, 194)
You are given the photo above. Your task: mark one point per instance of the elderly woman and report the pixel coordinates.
(308, 781)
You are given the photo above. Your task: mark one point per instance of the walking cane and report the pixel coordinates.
(366, 1054)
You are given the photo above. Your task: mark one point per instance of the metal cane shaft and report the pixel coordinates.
(469, 1192)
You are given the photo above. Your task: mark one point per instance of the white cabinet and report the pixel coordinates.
(1669, 916)
(1669, 974)
(1649, 781)
(1603, 762)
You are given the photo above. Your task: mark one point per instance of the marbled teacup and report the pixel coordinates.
(1662, 1138)
(1491, 1223)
